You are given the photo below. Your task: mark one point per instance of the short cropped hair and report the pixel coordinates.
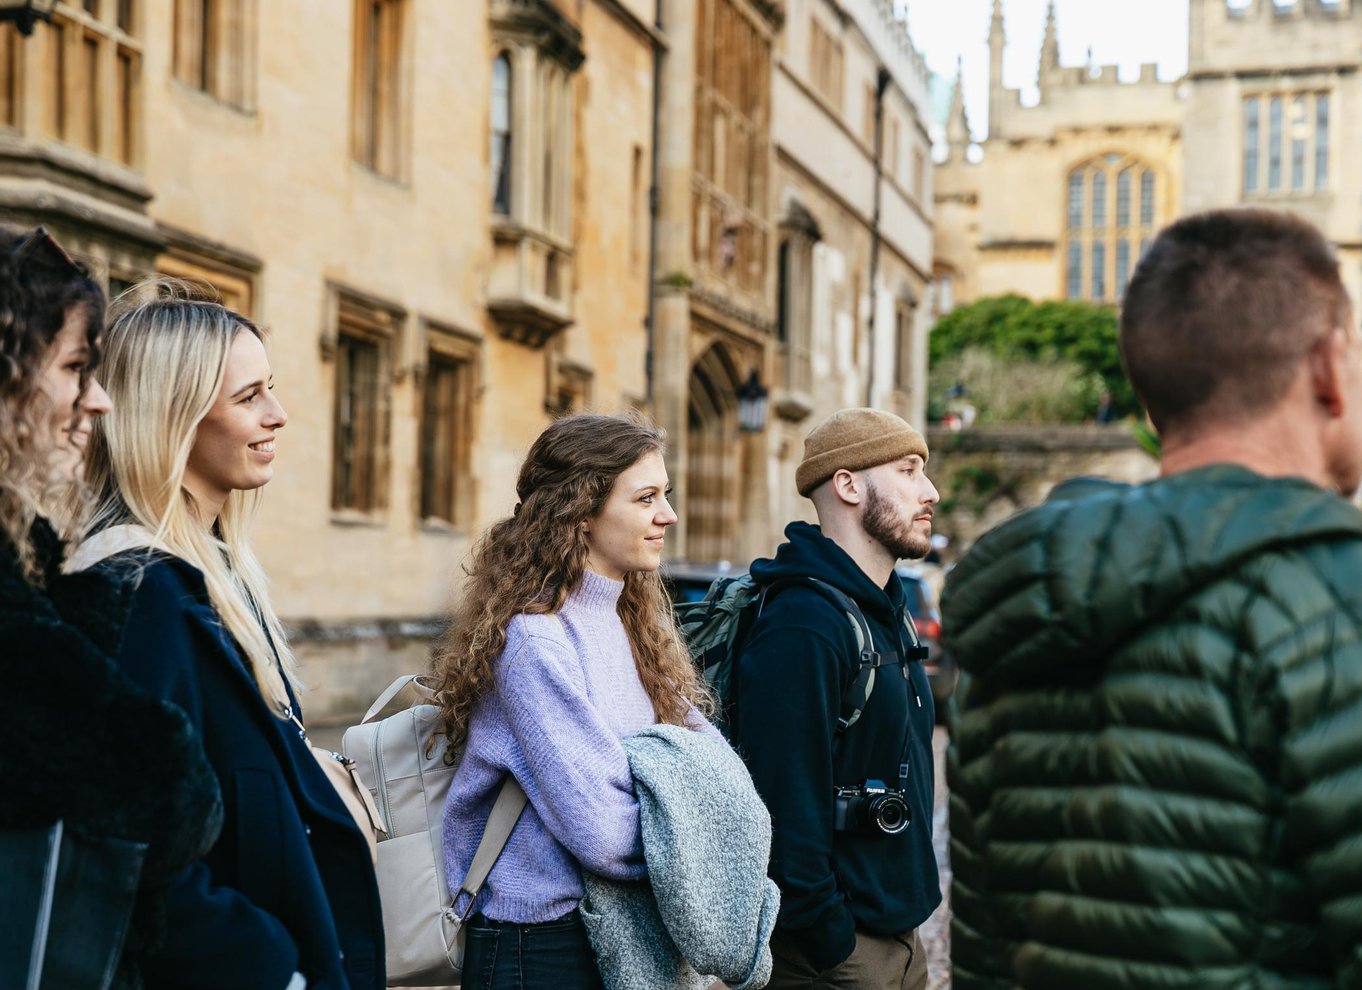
(1221, 312)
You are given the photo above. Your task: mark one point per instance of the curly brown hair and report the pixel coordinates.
(531, 561)
(39, 286)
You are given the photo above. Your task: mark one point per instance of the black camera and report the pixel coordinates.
(872, 807)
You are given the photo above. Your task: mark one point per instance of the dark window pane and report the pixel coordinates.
(1251, 140)
(1321, 141)
(501, 134)
(356, 424)
(1147, 199)
(1274, 143)
(437, 440)
(1300, 121)
(1075, 274)
(782, 290)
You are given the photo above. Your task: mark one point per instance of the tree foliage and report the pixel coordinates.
(1015, 328)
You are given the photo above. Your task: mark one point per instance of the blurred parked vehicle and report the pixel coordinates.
(689, 582)
(922, 604)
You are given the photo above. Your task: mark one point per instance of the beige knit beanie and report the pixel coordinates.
(855, 439)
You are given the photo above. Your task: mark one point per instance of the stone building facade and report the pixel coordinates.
(794, 246)
(1066, 190)
(458, 220)
(715, 306)
(1269, 113)
(854, 225)
(409, 195)
(1274, 114)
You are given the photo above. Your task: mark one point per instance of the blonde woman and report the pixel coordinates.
(287, 896)
(79, 745)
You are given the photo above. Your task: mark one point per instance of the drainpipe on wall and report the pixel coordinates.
(654, 207)
(881, 84)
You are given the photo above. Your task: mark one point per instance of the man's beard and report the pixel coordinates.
(888, 528)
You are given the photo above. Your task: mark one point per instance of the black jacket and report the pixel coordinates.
(799, 658)
(81, 743)
(289, 885)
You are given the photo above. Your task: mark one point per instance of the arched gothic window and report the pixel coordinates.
(501, 134)
(1112, 211)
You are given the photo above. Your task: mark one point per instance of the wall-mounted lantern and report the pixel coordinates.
(751, 404)
(25, 13)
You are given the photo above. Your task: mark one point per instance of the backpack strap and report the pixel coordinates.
(510, 802)
(869, 661)
(392, 691)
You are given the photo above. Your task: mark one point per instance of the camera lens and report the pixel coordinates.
(889, 812)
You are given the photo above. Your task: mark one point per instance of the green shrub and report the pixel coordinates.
(1075, 341)
(1016, 390)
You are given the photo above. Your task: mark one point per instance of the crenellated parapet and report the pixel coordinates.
(1079, 94)
(1271, 91)
(1247, 10)
(893, 44)
(1271, 35)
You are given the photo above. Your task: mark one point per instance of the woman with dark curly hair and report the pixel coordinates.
(565, 643)
(80, 746)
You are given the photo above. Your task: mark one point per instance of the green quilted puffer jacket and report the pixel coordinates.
(1156, 766)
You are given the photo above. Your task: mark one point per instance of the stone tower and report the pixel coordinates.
(997, 44)
(1069, 189)
(957, 124)
(1049, 50)
(1271, 89)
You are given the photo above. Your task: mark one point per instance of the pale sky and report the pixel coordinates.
(1124, 32)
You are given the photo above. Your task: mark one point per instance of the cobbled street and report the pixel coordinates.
(936, 933)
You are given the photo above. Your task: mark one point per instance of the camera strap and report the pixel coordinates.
(903, 759)
(915, 653)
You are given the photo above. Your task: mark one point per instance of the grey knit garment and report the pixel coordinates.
(707, 907)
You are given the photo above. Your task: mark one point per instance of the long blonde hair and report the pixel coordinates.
(531, 561)
(164, 365)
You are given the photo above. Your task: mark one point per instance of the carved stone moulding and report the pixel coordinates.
(525, 322)
(540, 23)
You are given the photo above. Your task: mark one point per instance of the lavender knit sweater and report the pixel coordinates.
(566, 692)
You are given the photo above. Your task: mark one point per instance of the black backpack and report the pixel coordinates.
(716, 627)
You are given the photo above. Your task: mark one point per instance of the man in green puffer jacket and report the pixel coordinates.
(1156, 770)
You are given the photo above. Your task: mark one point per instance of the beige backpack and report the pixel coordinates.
(401, 759)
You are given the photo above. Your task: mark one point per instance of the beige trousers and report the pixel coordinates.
(879, 962)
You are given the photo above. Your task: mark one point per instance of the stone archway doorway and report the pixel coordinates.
(713, 459)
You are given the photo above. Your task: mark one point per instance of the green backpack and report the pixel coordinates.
(716, 627)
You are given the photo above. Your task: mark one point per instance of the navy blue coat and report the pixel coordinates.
(289, 885)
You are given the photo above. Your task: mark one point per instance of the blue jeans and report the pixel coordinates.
(551, 955)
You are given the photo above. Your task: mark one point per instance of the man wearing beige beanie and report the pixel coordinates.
(842, 758)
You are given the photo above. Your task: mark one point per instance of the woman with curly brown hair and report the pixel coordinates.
(80, 747)
(565, 643)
